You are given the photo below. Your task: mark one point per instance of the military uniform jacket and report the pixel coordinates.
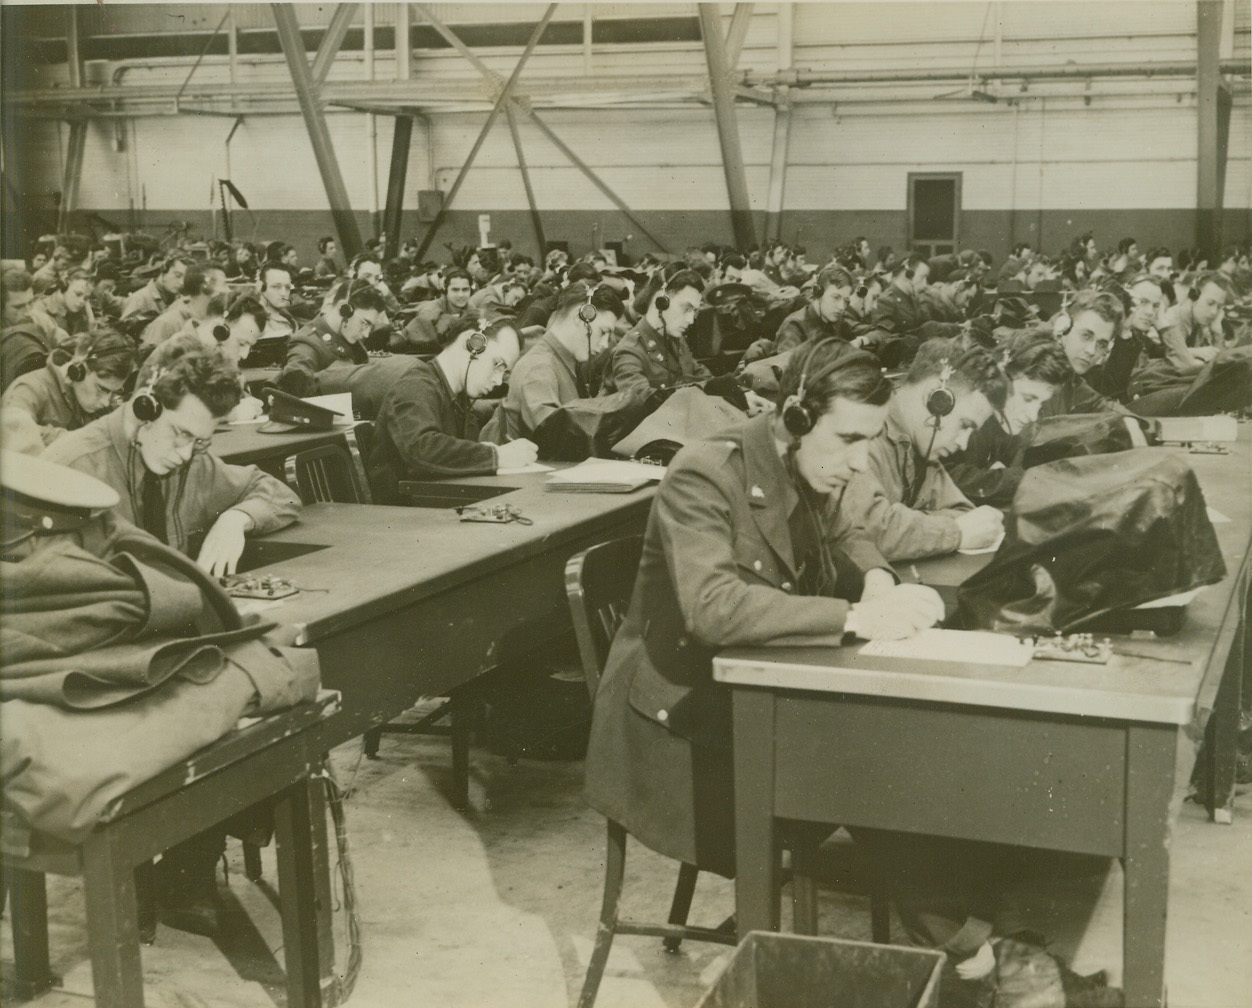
(645, 360)
(424, 432)
(898, 312)
(195, 495)
(74, 323)
(150, 299)
(717, 570)
(169, 323)
(47, 400)
(316, 347)
(1076, 396)
(879, 494)
(431, 323)
(807, 326)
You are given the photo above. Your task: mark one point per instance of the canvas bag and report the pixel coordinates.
(1090, 535)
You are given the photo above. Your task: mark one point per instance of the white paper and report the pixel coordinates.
(986, 549)
(1216, 517)
(533, 467)
(976, 647)
(1181, 599)
(607, 471)
(339, 402)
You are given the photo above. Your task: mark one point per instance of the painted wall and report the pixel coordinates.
(1039, 166)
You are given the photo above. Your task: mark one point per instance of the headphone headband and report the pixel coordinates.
(798, 415)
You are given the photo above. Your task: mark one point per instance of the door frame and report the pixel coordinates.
(958, 207)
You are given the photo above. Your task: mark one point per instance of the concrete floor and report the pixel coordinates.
(497, 907)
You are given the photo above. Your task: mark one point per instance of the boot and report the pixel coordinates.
(187, 885)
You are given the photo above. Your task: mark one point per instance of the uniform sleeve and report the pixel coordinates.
(302, 360)
(691, 366)
(899, 531)
(790, 336)
(720, 607)
(1088, 400)
(630, 372)
(268, 501)
(424, 447)
(1174, 337)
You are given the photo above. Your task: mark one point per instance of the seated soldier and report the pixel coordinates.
(154, 452)
(105, 304)
(1087, 331)
(28, 335)
(1139, 339)
(337, 333)
(497, 299)
(235, 331)
(67, 304)
(429, 326)
(899, 310)
(552, 375)
(327, 265)
(274, 286)
(427, 427)
(654, 355)
(905, 498)
(989, 469)
(822, 318)
(949, 294)
(200, 285)
(747, 542)
(159, 292)
(71, 390)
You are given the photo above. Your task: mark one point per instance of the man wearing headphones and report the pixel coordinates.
(429, 326)
(68, 392)
(202, 283)
(427, 427)
(337, 333)
(948, 295)
(748, 542)
(552, 375)
(1087, 331)
(822, 318)
(904, 497)
(235, 330)
(159, 292)
(327, 265)
(1140, 338)
(28, 335)
(67, 305)
(654, 355)
(154, 452)
(899, 310)
(274, 282)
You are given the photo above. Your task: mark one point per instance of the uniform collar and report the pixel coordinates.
(562, 352)
(771, 494)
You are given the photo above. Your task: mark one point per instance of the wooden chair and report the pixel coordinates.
(598, 584)
(271, 757)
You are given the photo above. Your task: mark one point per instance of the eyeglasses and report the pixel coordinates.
(183, 438)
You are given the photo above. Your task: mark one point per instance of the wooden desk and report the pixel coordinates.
(417, 602)
(1079, 758)
(244, 444)
(272, 757)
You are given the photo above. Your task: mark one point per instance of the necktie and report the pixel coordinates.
(154, 506)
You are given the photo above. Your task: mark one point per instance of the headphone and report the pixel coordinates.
(476, 342)
(77, 370)
(1193, 292)
(587, 311)
(862, 292)
(221, 332)
(797, 415)
(941, 401)
(146, 406)
(346, 308)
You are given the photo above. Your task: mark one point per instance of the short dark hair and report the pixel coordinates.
(245, 304)
(683, 279)
(831, 370)
(361, 294)
(974, 369)
(322, 243)
(471, 322)
(1217, 280)
(266, 267)
(1106, 305)
(603, 299)
(457, 273)
(831, 276)
(1123, 246)
(15, 281)
(197, 275)
(184, 366)
(583, 271)
(106, 352)
(1035, 355)
(171, 261)
(362, 257)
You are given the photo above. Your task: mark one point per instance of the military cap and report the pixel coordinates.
(45, 497)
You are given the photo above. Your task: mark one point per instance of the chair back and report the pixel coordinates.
(598, 584)
(363, 433)
(328, 474)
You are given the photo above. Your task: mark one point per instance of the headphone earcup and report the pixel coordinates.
(77, 371)
(587, 312)
(662, 302)
(796, 417)
(908, 274)
(940, 402)
(1194, 292)
(346, 311)
(221, 332)
(146, 407)
(476, 344)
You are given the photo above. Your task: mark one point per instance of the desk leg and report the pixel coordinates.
(1150, 758)
(324, 854)
(1222, 736)
(297, 893)
(756, 838)
(112, 922)
(28, 912)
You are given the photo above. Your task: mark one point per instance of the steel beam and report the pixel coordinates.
(727, 126)
(401, 141)
(73, 172)
(332, 40)
(315, 122)
(1212, 129)
(404, 43)
(737, 32)
(535, 220)
(501, 101)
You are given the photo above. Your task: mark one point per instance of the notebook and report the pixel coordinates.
(604, 476)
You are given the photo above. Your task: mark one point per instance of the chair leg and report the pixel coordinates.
(252, 861)
(879, 914)
(803, 889)
(372, 738)
(462, 730)
(681, 905)
(614, 871)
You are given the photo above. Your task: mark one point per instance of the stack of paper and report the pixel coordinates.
(1207, 428)
(604, 476)
(977, 647)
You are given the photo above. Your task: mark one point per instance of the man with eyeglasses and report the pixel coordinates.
(427, 426)
(654, 355)
(274, 286)
(337, 334)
